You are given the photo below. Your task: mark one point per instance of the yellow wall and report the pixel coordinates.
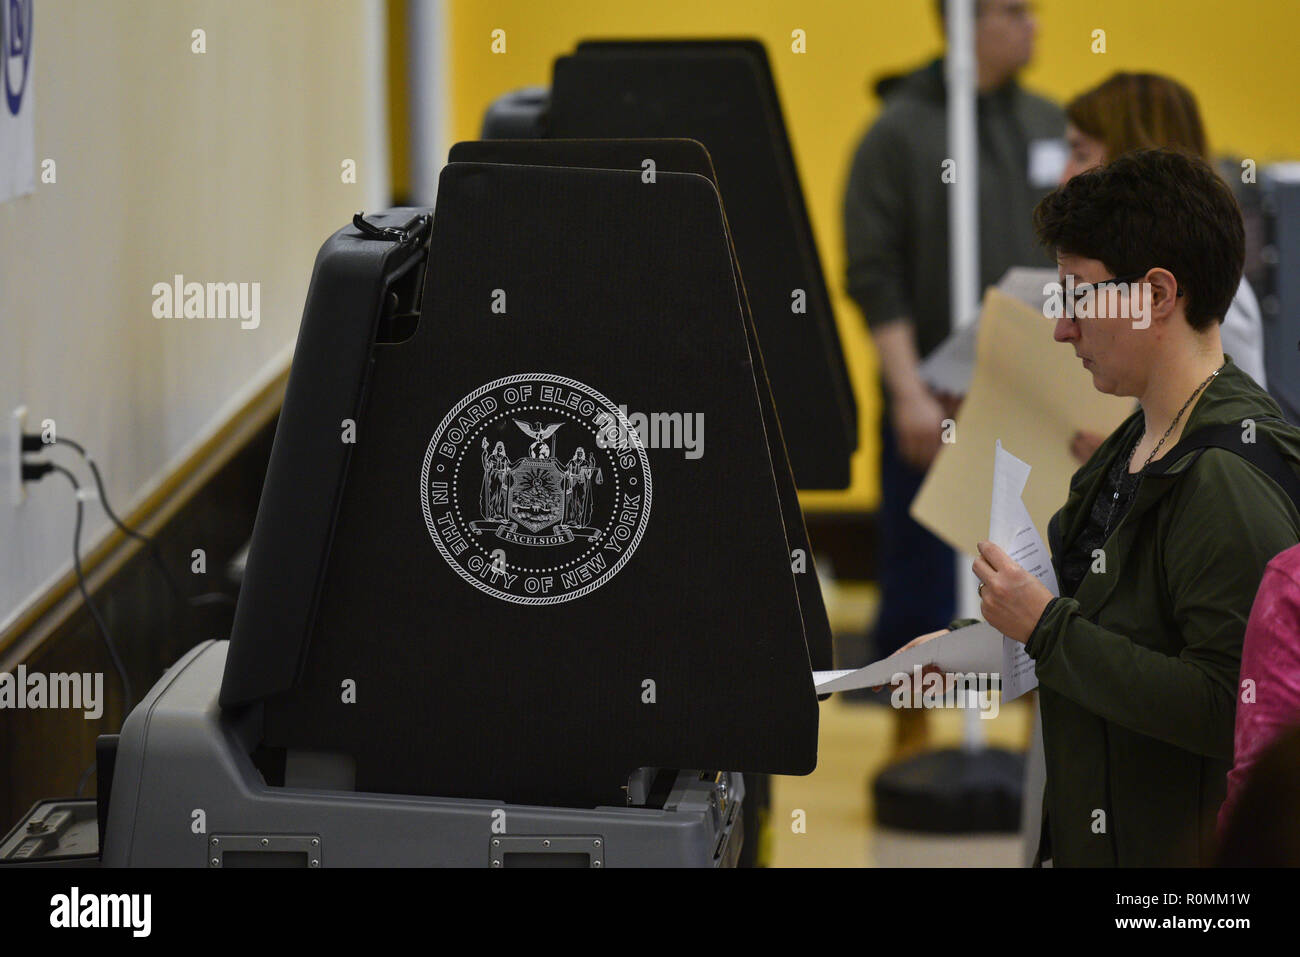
(1238, 58)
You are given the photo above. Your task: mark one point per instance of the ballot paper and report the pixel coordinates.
(977, 649)
(1013, 531)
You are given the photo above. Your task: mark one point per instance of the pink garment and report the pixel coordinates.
(1270, 657)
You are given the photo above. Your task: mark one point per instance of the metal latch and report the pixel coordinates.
(389, 233)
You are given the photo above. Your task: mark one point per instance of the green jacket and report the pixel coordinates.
(1138, 671)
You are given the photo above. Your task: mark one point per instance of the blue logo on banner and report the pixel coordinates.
(16, 44)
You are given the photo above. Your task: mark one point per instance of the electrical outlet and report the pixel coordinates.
(14, 450)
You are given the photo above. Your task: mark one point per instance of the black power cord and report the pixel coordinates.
(34, 471)
(148, 541)
(40, 469)
(32, 443)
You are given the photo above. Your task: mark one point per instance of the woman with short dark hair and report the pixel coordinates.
(1162, 541)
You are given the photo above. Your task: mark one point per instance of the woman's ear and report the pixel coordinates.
(1164, 287)
(1159, 295)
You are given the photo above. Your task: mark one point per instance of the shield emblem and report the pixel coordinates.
(536, 496)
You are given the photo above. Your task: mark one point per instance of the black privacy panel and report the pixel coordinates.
(353, 283)
(721, 93)
(520, 600)
(690, 156)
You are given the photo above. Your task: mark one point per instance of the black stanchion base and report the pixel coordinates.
(952, 792)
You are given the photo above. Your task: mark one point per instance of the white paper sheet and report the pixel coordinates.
(1013, 531)
(977, 649)
(949, 368)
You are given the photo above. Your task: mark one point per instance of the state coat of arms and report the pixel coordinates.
(560, 496)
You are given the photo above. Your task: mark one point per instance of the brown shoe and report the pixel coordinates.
(911, 733)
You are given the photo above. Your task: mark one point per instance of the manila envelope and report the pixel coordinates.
(1032, 393)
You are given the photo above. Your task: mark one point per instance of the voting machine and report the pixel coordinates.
(489, 617)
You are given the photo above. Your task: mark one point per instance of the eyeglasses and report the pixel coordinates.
(1083, 289)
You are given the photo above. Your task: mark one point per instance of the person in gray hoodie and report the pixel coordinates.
(896, 237)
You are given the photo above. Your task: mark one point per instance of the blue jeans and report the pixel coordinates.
(917, 572)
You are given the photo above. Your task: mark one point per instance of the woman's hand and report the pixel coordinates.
(1011, 599)
(912, 644)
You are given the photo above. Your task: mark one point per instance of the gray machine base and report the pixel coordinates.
(186, 794)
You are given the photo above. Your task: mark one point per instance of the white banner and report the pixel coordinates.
(17, 127)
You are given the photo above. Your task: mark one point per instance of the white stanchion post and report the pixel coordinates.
(427, 74)
(963, 247)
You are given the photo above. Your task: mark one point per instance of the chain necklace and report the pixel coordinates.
(1114, 500)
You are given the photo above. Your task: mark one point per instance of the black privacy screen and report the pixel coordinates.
(496, 589)
(721, 93)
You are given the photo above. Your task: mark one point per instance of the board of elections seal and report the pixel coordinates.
(535, 489)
